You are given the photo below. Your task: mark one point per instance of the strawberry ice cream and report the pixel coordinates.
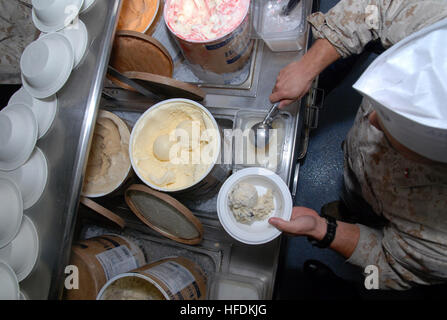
(204, 20)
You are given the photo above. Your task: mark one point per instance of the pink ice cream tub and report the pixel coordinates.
(214, 35)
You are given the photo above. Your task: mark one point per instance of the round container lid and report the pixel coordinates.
(259, 232)
(164, 214)
(134, 51)
(166, 86)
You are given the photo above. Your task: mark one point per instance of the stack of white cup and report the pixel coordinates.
(46, 65)
(19, 242)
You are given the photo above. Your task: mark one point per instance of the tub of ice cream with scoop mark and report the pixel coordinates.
(108, 166)
(175, 147)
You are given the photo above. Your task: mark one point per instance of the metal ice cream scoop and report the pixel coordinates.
(289, 7)
(260, 132)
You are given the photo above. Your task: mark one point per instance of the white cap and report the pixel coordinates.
(407, 85)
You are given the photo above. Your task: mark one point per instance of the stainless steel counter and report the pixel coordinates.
(66, 148)
(259, 262)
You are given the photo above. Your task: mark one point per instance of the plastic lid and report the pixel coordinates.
(164, 214)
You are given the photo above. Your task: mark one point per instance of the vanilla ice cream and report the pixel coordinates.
(205, 20)
(108, 163)
(247, 206)
(174, 145)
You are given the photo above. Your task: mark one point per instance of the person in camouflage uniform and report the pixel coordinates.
(408, 190)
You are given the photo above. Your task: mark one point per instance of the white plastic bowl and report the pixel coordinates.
(21, 254)
(18, 136)
(259, 232)
(46, 65)
(31, 178)
(11, 211)
(77, 34)
(9, 288)
(53, 15)
(44, 109)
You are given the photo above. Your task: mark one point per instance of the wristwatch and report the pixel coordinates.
(330, 233)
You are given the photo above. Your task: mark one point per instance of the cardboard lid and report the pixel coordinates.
(164, 214)
(106, 213)
(134, 51)
(168, 87)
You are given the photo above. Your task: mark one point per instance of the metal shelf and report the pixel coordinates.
(66, 147)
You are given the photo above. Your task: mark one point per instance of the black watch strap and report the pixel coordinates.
(330, 233)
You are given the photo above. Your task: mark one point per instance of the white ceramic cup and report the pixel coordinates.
(18, 130)
(31, 178)
(21, 254)
(9, 288)
(46, 65)
(11, 211)
(55, 12)
(53, 15)
(39, 62)
(6, 133)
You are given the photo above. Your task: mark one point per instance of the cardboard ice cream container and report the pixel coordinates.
(100, 259)
(173, 278)
(226, 54)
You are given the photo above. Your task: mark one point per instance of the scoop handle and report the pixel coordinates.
(271, 113)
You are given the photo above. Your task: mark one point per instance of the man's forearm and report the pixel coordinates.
(346, 237)
(319, 57)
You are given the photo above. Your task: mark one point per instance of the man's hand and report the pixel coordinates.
(292, 83)
(304, 222)
(295, 80)
(307, 222)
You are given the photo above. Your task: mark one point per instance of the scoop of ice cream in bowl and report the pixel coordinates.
(248, 199)
(174, 145)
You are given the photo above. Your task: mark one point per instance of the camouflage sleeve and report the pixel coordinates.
(352, 24)
(381, 249)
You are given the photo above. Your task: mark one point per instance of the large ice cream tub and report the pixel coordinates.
(172, 278)
(211, 48)
(175, 147)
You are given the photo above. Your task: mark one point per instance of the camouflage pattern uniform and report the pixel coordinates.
(16, 32)
(412, 248)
